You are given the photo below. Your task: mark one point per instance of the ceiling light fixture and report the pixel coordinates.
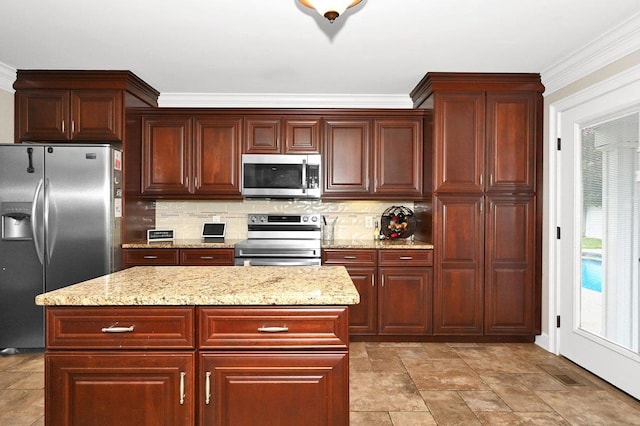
(330, 9)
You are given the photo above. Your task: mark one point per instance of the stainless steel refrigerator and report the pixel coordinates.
(60, 212)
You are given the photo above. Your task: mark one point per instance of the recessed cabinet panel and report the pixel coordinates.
(118, 388)
(302, 136)
(166, 151)
(262, 135)
(216, 162)
(511, 147)
(458, 291)
(398, 157)
(96, 115)
(459, 121)
(42, 114)
(275, 388)
(405, 300)
(510, 265)
(346, 159)
(363, 316)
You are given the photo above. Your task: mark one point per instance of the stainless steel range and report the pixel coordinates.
(281, 240)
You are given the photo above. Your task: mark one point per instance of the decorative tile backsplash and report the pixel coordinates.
(186, 217)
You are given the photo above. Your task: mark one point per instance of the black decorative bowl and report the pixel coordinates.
(397, 222)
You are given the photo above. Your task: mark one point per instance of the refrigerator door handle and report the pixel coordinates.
(50, 239)
(34, 221)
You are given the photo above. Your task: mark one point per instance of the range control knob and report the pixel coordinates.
(263, 219)
(314, 218)
(305, 218)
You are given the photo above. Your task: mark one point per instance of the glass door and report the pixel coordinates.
(598, 211)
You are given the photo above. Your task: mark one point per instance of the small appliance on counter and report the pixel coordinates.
(213, 232)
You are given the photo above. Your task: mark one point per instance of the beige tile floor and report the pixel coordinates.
(413, 384)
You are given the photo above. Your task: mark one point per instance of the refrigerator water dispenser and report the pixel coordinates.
(16, 221)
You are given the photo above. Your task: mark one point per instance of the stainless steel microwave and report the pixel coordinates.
(281, 176)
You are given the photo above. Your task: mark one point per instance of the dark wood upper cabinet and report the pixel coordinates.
(78, 106)
(373, 158)
(511, 142)
(398, 157)
(346, 159)
(166, 155)
(216, 155)
(459, 154)
(281, 135)
(186, 155)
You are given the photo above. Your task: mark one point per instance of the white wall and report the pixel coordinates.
(612, 54)
(6, 117)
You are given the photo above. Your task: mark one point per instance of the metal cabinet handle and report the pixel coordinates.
(62, 126)
(151, 257)
(373, 281)
(206, 257)
(207, 388)
(116, 329)
(349, 257)
(182, 394)
(73, 126)
(406, 257)
(282, 329)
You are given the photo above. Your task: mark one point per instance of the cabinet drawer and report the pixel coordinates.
(349, 257)
(205, 257)
(119, 328)
(301, 327)
(133, 257)
(401, 257)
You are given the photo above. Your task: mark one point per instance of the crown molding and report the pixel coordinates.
(604, 50)
(281, 100)
(7, 77)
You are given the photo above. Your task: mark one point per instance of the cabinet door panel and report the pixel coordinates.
(262, 135)
(43, 115)
(362, 317)
(217, 156)
(166, 153)
(274, 388)
(510, 266)
(458, 289)
(97, 115)
(398, 157)
(459, 129)
(302, 136)
(120, 388)
(346, 159)
(404, 300)
(511, 142)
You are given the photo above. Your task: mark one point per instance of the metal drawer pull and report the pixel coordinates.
(151, 257)
(350, 257)
(206, 257)
(114, 329)
(406, 257)
(207, 388)
(282, 329)
(182, 395)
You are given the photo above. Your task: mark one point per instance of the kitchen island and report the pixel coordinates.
(200, 345)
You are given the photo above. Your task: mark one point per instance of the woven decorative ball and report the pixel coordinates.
(397, 222)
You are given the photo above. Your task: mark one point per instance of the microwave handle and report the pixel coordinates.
(304, 176)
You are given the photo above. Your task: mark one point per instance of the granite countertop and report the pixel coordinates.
(211, 285)
(343, 244)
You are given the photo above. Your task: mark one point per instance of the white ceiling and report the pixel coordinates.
(380, 47)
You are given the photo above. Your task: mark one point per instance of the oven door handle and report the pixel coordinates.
(277, 262)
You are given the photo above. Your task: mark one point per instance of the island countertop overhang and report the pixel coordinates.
(210, 286)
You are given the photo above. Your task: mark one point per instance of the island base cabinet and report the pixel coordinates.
(120, 388)
(274, 388)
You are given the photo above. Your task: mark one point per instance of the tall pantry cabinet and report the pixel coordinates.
(486, 148)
